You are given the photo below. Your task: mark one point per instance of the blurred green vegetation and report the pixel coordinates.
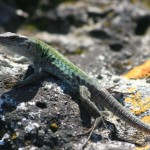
(56, 2)
(145, 2)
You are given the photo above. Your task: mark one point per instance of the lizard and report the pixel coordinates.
(47, 59)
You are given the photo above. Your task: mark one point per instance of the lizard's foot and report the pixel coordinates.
(95, 125)
(32, 78)
(97, 122)
(90, 132)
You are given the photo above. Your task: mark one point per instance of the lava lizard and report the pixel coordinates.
(47, 59)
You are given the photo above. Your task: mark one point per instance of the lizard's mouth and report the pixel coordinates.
(5, 42)
(11, 39)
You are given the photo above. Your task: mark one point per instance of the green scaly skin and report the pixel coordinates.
(47, 59)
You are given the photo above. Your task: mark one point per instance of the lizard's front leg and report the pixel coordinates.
(38, 73)
(32, 78)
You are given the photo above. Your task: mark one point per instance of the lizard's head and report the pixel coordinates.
(16, 43)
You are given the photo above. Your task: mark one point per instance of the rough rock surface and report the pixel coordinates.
(105, 39)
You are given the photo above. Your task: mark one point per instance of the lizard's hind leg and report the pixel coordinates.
(85, 97)
(93, 110)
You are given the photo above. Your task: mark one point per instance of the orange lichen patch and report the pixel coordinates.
(139, 105)
(147, 147)
(139, 72)
(146, 119)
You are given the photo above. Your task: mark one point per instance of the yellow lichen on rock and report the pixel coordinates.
(147, 147)
(146, 119)
(139, 72)
(139, 105)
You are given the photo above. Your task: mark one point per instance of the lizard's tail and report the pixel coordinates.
(109, 102)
